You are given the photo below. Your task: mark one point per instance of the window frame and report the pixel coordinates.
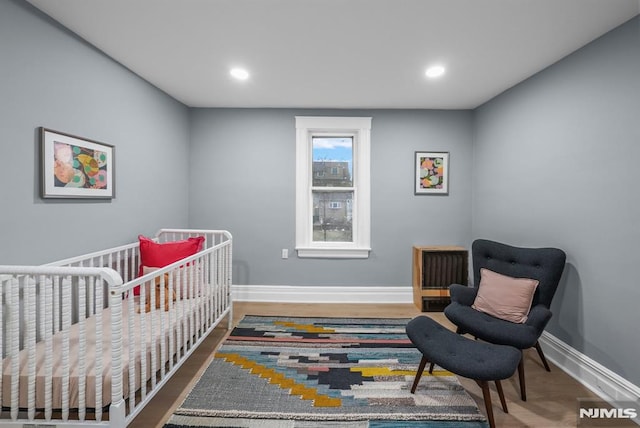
(360, 129)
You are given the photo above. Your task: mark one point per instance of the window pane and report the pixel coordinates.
(332, 161)
(332, 212)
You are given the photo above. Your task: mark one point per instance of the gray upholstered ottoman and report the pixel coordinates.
(480, 361)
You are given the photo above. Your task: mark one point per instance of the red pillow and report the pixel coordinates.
(153, 254)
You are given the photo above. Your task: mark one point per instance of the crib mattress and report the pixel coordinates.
(172, 325)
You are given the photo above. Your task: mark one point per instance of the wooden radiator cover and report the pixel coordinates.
(434, 269)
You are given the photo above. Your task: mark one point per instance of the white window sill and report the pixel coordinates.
(334, 253)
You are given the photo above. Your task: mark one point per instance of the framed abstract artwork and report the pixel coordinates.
(431, 173)
(75, 167)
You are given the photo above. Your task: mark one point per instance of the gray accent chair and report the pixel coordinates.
(543, 264)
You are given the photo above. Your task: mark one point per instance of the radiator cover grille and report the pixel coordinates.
(443, 268)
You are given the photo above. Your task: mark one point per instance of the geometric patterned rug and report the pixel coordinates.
(287, 372)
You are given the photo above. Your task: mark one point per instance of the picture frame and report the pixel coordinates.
(431, 173)
(75, 167)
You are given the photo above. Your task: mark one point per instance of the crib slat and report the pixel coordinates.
(180, 284)
(29, 290)
(200, 313)
(55, 305)
(14, 326)
(66, 325)
(126, 266)
(162, 319)
(48, 345)
(154, 328)
(99, 305)
(143, 343)
(214, 260)
(170, 317)
(40, 303)
(115, 303)
(214, 297)
(131, 357)
(82, 346)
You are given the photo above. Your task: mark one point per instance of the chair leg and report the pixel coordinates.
(523, 388)
(486, 394)
(423, 363)
(431, 368)
(541, 354)
(501, 395)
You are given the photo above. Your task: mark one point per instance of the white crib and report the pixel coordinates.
(80, 349)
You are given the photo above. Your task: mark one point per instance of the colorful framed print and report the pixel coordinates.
(76, 167)
(431, 173)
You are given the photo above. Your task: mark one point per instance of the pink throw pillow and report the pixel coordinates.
(505, 297)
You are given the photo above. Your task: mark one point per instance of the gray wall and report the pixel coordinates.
(551, 162)
(50, 78)
(556, 164)
(242, 178)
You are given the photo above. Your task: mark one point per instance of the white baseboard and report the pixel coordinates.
(317, 294)
(606, 384)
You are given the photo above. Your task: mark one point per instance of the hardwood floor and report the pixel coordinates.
(551, 397)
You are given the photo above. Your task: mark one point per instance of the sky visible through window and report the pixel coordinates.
(338, 149)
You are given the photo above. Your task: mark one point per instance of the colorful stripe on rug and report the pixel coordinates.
(323, 372)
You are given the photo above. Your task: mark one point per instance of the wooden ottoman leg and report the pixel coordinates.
(523, 387)
(423, 363)
(486, 394)
(501, 395)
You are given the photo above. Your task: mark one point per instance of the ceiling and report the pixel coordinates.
(338, 53)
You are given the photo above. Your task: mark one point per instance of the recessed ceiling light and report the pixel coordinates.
(435, 71)
(239, 73)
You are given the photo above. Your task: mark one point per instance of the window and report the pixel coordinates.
(332, 187)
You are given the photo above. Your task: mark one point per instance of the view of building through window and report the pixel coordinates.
(332, 188)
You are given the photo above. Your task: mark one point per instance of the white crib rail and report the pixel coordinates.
(40, 305)
(36, 303)
(190, 320)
